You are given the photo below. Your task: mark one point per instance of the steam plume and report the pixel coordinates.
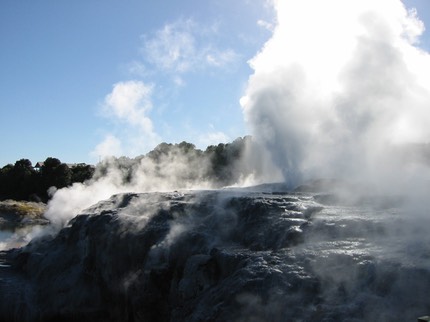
(338, 86)
(175, 170)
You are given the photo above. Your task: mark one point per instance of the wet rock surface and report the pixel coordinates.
(227, 255)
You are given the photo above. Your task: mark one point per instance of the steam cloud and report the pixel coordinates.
(174, 170)
(338, 88)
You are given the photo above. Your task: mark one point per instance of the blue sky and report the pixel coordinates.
(65, 67)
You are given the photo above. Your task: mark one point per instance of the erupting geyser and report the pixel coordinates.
(338, 87)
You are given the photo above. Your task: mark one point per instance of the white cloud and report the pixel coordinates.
(213, 138)
(173, 47)
(221, 58)
(266, 25)
(185, 46)
(137, 68)
(179, 81)
(129, 104)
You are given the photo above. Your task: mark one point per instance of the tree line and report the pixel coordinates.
(21, 181)
(218, 164)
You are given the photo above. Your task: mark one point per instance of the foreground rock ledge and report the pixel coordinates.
(206, 256)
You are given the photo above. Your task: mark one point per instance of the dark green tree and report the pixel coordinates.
(160, 150)
(186, 147)
(6, 180)
(23, 180)
(224, 160)
(82, 173)
(55, 174)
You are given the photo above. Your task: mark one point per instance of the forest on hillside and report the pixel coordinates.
(218, 164)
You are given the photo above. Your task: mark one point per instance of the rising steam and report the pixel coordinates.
(337, 91)
(175, 170)
(338, 88)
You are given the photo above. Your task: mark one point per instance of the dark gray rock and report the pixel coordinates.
(209, 256)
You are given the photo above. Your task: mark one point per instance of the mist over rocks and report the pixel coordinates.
(168, 167)
(136, 256)
(223, 255)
